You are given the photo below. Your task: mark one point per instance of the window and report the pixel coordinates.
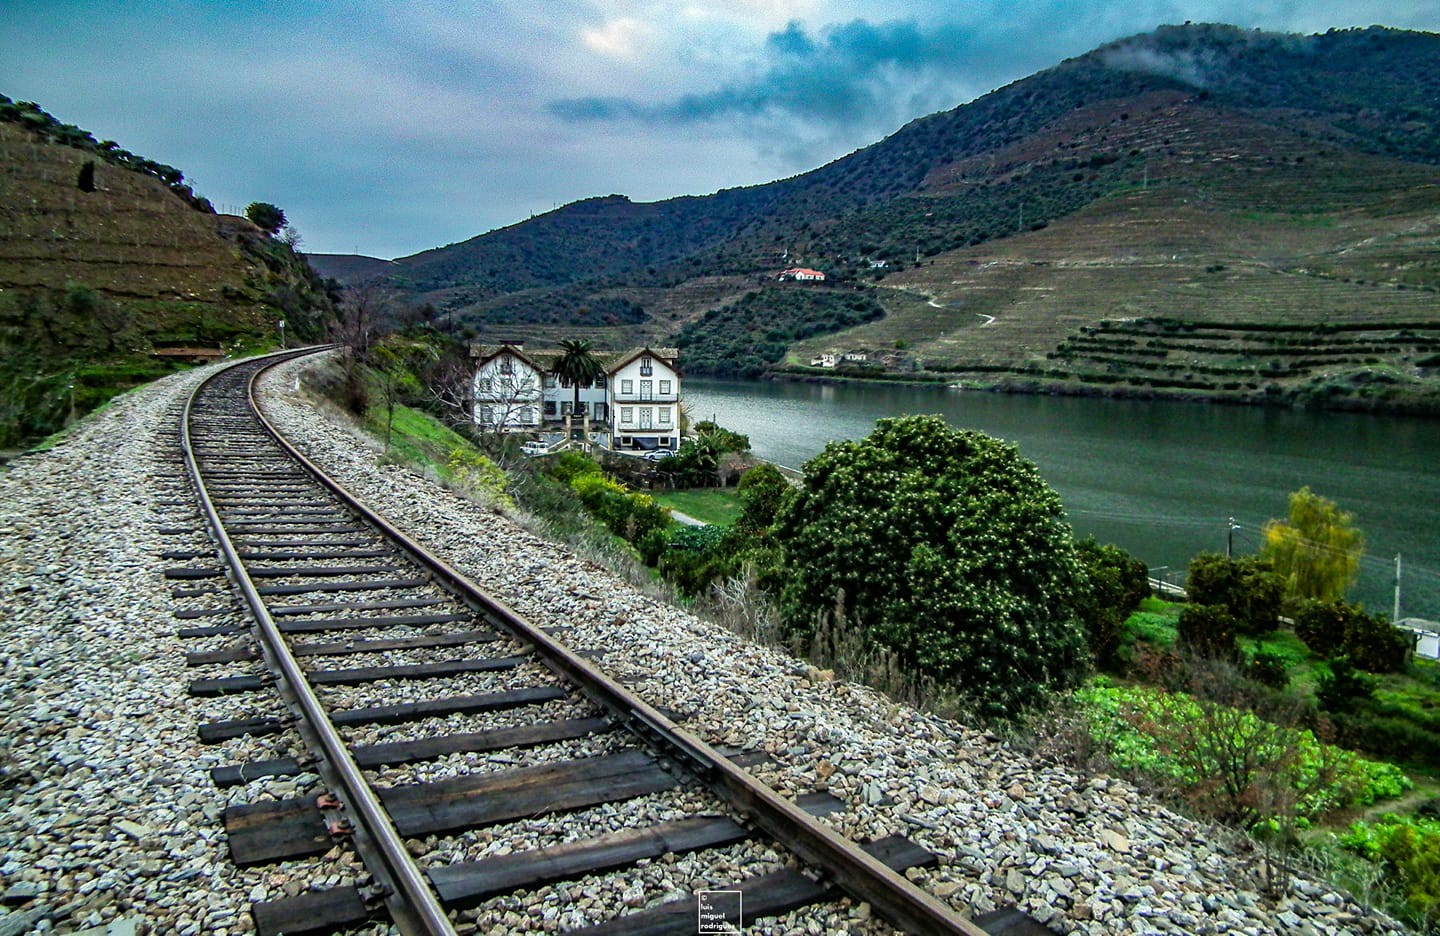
(484, 384)
(550, 382)
(664, 388)
(664, 415)
(507, 366)
(549, 407)
(600, 411)
(647, 367)
(627, 415)
(627, 386)
(646, 414)
(600, 382)
(487, 416)
(664, 441)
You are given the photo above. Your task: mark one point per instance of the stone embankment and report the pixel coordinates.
(110, 822)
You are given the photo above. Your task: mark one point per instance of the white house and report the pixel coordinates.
(507, 391)
(802, 275)
(645, 400)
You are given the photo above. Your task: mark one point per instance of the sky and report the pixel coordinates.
(386, 127)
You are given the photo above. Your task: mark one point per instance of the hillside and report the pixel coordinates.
(107, 258)
(1193, 171)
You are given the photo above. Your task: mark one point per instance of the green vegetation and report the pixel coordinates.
(114, 269)
(28, 115)
(945, 547)
(266, 217)
(1317, 551)
(717, 506)
(750, 335)
(1410, 851)
(1222, 755)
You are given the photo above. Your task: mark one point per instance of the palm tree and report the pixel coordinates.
(577, 367)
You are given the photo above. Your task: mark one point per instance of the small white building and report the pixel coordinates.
(801, 275)
(507, 390)
(645, 400)
(1427, 636)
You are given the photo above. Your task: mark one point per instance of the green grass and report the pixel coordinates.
(719, 506)
(417, 438)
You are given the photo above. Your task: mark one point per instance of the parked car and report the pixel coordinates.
(534, 448)
(658, 454)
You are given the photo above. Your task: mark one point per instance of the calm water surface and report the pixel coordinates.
(1159, 479)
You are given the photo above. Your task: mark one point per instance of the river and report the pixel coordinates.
(1161, 480)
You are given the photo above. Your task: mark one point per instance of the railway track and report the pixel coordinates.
(391, 722)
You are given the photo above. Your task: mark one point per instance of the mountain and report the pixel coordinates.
(1204, 174)
(110, 263)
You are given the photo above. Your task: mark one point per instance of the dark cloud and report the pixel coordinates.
(847, 76)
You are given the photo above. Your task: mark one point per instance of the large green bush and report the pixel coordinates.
(1334, 628)
(1246, 588)
(1117, 583)
(945, 546)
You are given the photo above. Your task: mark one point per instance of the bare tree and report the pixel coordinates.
(506, 401)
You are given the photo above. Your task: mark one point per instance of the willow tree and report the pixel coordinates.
(576, 367)
(945, 547)
(1317, 551)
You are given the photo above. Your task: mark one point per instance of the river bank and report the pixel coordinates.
(1424, 405)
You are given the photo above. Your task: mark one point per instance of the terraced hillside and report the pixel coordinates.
(103, 262)
(1230, 223)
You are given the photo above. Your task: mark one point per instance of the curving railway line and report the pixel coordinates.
(377, 651)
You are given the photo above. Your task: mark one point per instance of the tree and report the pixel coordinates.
(396, 360)
(1116, 584)
(577, 367)
(1335, 628)
(1317, 551)
(266, 217)
(1208, 630)
(762, 491)
(85, 181)
(1246, 588)
(944, 546)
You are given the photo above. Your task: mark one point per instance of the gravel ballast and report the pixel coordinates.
(111, 822)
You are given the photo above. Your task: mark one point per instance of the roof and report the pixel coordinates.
(543, 359)
(485, 355)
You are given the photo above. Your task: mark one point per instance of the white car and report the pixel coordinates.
(658, 454)
(535, 448)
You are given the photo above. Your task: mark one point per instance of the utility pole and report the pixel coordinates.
(1230, 539)
(1396, 616)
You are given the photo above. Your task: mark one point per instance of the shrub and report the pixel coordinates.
(1410, 850)
(1246, 588)
(1117, 583)
(1375, 645)
(762, 490)
(1336, 628)
(1269, 669)
(1341, 685)
(1208, 630)
(946, 547)
(1228, 761)
(475, 474)
(695, 557)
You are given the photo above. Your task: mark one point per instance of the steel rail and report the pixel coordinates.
(854, 870)
(359, 798)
